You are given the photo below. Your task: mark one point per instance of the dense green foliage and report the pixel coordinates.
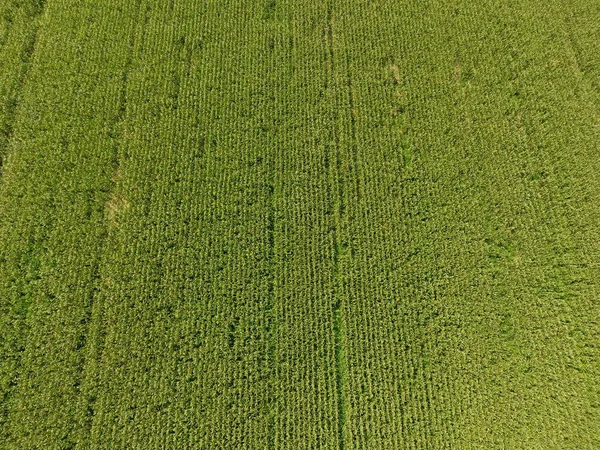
(296, 224)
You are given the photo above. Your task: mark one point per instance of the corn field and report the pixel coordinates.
(276, 224)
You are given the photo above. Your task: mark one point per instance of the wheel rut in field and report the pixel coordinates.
(35, 12)
(270, 310)
(114, 204)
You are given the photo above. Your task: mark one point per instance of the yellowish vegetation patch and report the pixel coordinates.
(114, 206)
(396, 73)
